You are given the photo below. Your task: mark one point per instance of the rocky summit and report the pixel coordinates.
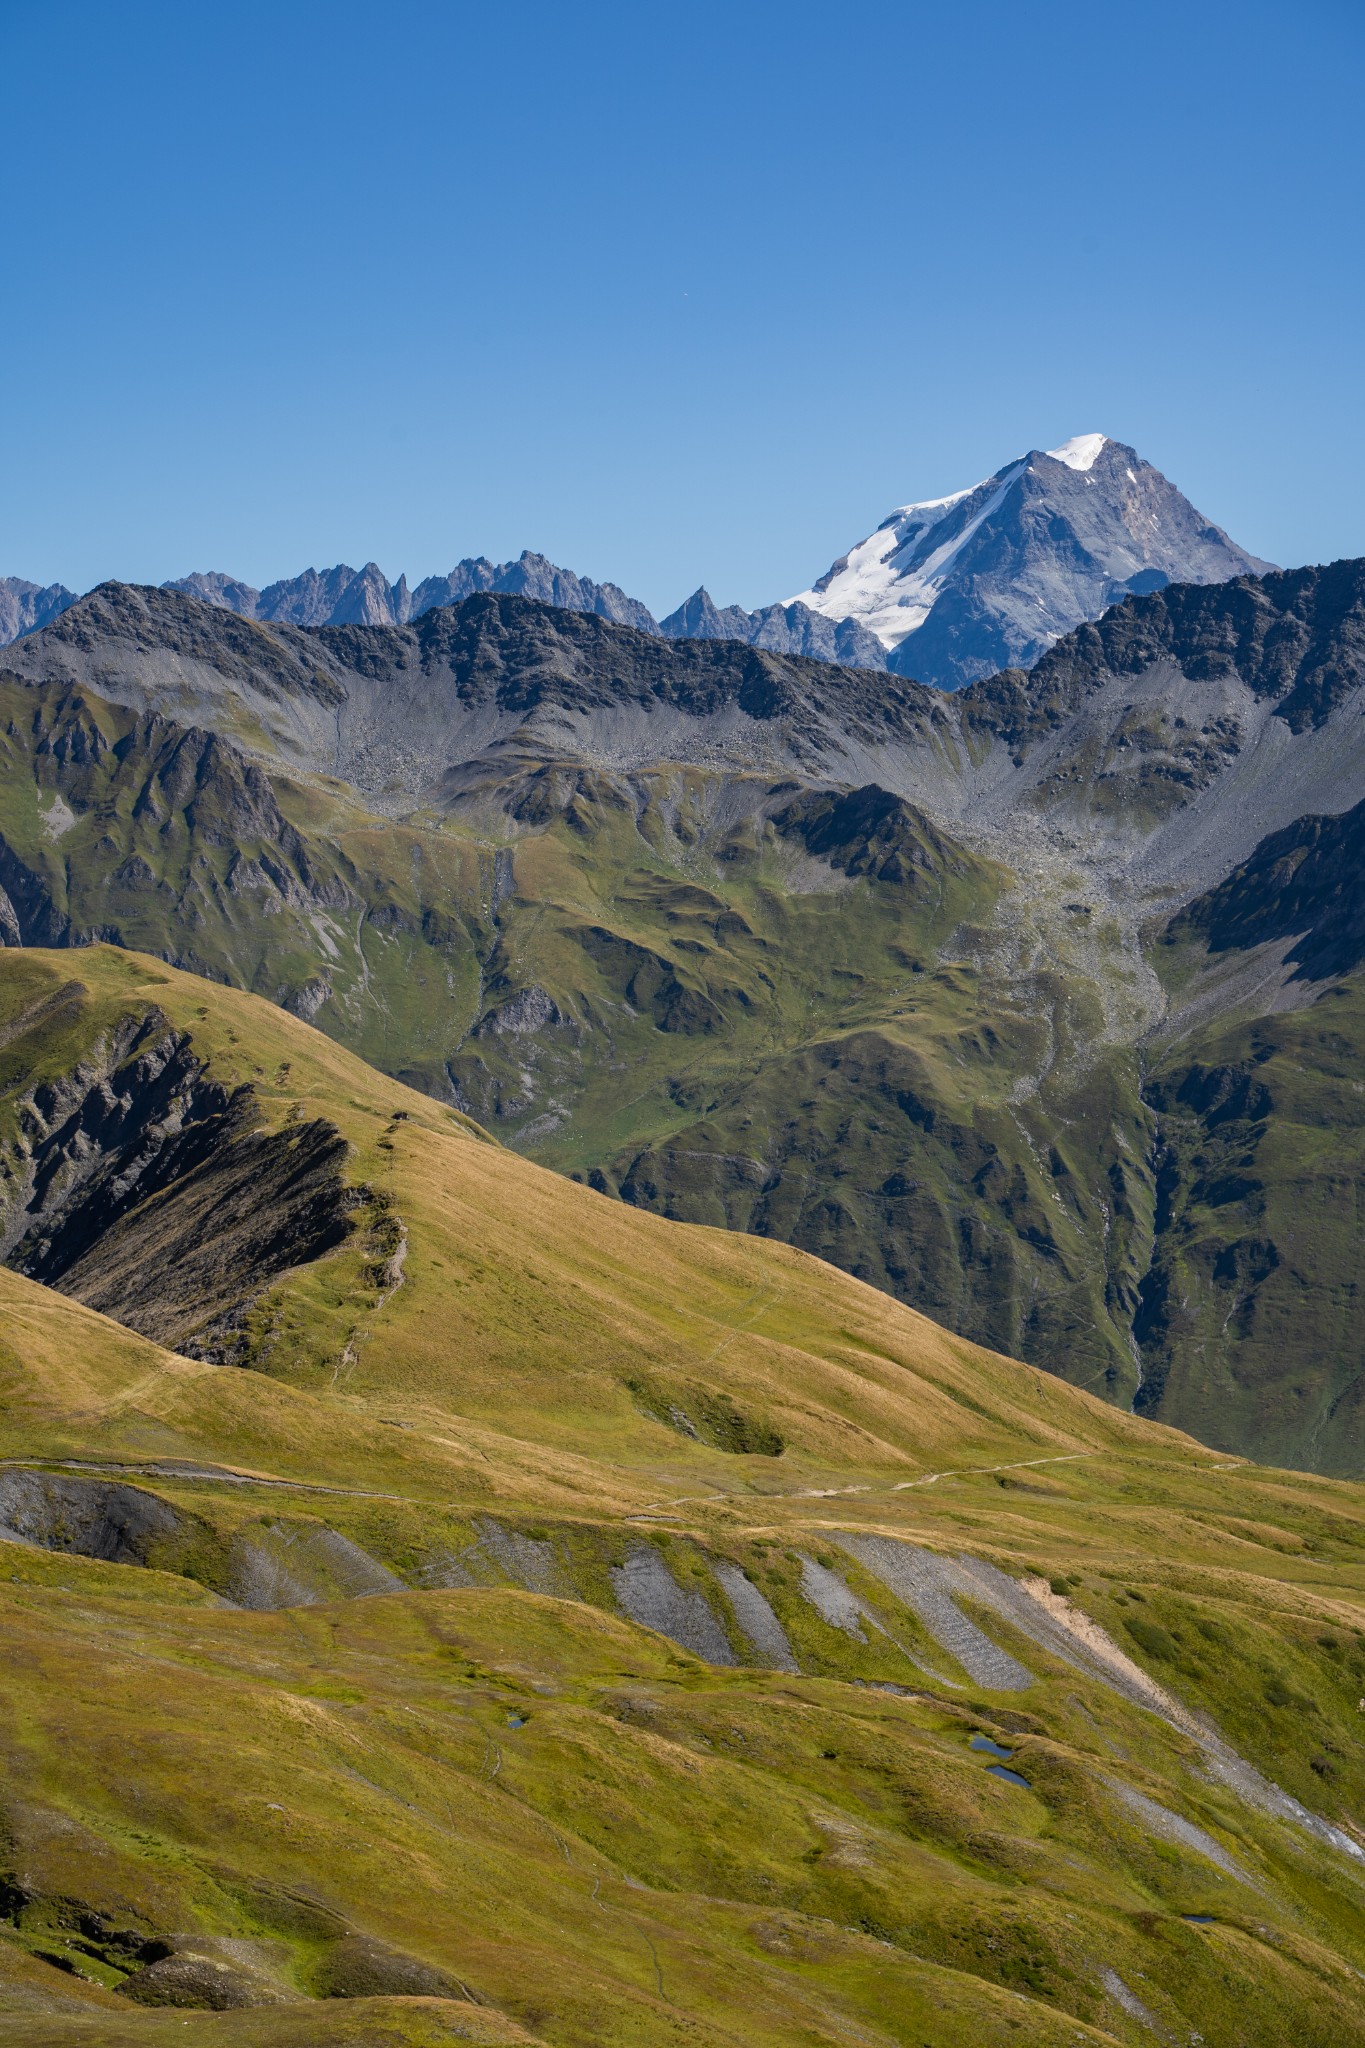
(956, 588)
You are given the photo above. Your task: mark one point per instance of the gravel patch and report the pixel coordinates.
(1169, 1827)
(647, 1592)
(1131, 2003)
(927, 1584)
(759, 1626)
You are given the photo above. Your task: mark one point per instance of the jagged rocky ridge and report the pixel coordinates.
(349, 597)
(24, 607)
(365, 597)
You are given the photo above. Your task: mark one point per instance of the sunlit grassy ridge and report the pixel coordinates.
(551, 1810)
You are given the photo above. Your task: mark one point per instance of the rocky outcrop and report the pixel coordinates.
(150, 1191)
(868, 832)
(1302, 883)
(91, 1517)
(1295, 638)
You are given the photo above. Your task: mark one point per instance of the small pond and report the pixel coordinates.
(1010, 1777)
(994, 1748)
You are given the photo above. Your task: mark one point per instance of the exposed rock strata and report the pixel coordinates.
(148, 1190)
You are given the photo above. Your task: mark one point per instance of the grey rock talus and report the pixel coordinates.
(758, 1624)
(931, 1586)
(647, 1591)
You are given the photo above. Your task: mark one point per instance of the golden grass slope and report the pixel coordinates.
(528, 1302)
(590, 1834)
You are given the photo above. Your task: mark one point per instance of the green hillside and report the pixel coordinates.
(532, 1619)
(656, 915)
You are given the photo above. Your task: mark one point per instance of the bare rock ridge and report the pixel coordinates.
(364, 597)
(781, 629)
(1301, 884)
(148, 1190)
(349, 597)
(1295, 638)
(400, 710)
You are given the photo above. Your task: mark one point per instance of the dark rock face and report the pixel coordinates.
(1306, 883)
(93, 1517)
(866, 832)
(146, 1190)
(1295, 637)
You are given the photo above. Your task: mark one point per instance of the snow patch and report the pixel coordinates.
(885, 582)
(1080, 452)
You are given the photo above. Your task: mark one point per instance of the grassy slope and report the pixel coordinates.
(663, 1849)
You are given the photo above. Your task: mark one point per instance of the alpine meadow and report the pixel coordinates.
(681, 1355)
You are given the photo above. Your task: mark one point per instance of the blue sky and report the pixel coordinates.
(677, 294)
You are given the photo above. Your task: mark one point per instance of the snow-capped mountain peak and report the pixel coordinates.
(989, 578)
(1080, 451)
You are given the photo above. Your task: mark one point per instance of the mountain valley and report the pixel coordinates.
(989, 998)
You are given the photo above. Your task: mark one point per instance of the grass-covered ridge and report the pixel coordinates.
(485, 1803)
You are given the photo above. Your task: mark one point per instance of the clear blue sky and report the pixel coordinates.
(675, 294)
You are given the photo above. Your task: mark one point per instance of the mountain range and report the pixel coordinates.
(947, 591)
(654, 1294)
(999, 999)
